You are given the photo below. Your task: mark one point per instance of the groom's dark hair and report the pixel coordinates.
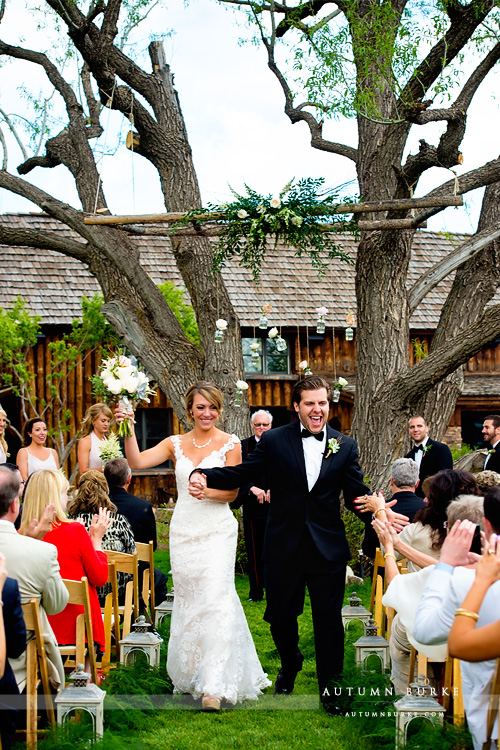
(310, 384)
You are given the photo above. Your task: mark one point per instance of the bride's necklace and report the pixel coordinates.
(201, 446)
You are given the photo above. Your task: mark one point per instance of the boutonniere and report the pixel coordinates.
(491, 451)
(427, 448)
(333, 446)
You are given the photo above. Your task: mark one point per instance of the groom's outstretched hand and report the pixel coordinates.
(197, 485)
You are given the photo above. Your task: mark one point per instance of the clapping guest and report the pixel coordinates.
(78, 553)
(93, 432)
(35, 456)
(91, 497)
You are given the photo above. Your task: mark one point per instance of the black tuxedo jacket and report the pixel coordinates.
(15, 636)
(494, 460)
(139, 513)
(252, 509)
(407, 503)
(293, 509)
(436, 458)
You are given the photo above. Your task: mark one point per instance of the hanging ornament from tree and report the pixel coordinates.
(320, 322)
(241, 387)
(220, 327)
(349, 333)
(263, 321)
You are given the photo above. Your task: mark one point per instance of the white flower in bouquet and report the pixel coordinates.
(275, 203)
(110, 448)
(119, 377)
(242, 214)
(297, 220)
(221, 324)
(273, 333)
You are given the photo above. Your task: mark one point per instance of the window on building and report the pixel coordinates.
(271, 361)
(151, 427)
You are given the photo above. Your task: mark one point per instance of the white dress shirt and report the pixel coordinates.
(442, 596)
(420, 454)
(314, 450)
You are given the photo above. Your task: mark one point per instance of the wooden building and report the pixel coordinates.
(53, 284)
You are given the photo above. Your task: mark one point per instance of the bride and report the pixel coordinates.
(210, 651)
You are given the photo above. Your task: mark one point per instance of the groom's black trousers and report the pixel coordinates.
(285, 592)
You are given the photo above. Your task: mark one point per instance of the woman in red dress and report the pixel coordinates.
(79, 552)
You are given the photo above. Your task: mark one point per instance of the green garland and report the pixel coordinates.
(293, 218)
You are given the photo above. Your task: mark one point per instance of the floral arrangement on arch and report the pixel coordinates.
(294, 217)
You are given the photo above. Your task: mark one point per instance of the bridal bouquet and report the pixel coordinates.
(110, 448)
(118, 377)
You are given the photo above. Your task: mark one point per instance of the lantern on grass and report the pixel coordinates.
(354, 611)
(82, 695)
(165, 608)
(419, 704)
(371, 644)
(142, 641)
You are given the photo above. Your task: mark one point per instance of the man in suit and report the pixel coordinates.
(15, 639)
(34, 565)
(491, 435)
(429, 455)
(307, 465)
(138, 512)
(255, 501)
(404, 481)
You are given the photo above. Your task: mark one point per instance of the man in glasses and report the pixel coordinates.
(255, 502)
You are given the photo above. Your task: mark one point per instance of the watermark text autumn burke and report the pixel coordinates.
(387, 692)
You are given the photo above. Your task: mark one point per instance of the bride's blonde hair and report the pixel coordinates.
(207, 390)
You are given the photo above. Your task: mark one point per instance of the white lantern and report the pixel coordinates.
(349, 334)
(165, 608)
(82, 695)
(141, 641)
(355, 611)
(419, 704)
(371, 644)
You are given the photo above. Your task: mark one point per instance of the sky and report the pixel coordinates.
(233, 108)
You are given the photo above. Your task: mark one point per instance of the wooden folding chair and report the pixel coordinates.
(125, 564)
(37, 671)
(145, 553)
(79, 594)
(379, 564)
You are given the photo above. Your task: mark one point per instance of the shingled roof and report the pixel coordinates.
(53, 284)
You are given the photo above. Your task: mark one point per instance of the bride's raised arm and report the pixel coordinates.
(155, 456)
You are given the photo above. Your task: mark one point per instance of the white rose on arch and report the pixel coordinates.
(242, 214)
(275, 203)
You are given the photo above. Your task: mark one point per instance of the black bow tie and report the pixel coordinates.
(305, 434)
(419, 448)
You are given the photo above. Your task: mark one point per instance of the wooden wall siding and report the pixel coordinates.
(320, 355)
(487, 361)
(157, 488)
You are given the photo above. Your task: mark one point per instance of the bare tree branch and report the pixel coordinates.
(14, 132)
(43, 240)
(5, 152)
(464, 20)
(445, 359)
(450, 263)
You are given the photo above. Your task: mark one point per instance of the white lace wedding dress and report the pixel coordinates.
(210, 649)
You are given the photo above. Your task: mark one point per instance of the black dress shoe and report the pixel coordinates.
(285, 679)
(331, 709)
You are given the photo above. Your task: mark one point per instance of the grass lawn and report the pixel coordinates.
(282, 723)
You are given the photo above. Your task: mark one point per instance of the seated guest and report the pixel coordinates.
(445, 590)
(421, 541)
(93, 495)
(12, 645)
(79, 553)
(139, 513)
(486, 480)
(404, 592)
(404, 481)
(35, 456)
(34, 565)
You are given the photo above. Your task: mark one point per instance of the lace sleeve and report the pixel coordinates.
(233, 440)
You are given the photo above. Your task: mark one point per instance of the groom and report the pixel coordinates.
(307, 464)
